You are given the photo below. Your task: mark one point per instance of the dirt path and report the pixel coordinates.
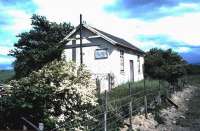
(192, 115)
(185, 118)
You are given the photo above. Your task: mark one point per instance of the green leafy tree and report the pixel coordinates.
(164, 64)
(60, 92)
(39, 46)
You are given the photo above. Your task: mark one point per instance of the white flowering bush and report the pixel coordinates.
(59, 93)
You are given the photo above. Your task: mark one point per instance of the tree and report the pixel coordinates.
(164, 64)
(59, 92)
(39, 46)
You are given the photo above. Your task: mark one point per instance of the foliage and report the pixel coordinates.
(164, 64)
(39, 46)
(59, 92)
(193, 69)
(6, 75)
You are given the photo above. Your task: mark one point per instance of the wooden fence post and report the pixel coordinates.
(41, 126)
(24, 128)
(145, 100)
(109, 82)
(98, 85)
(159, 94)
(105, 111)
(130, 107)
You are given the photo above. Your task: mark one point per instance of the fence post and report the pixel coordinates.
(41, 126)
(24, 128)
(109, 81)
(145, 100)
(159, 93)
(98, 87)
(168, 91)
(130, 108)
(105, 111)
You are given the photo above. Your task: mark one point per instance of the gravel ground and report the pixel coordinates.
(185, 118)
(174, 119)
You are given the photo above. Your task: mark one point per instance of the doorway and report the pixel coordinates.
(131, 70)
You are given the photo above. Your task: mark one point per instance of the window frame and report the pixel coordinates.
(106, 49)
(122, 60)
(139, 64)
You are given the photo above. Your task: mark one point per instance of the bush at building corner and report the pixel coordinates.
(60, 92)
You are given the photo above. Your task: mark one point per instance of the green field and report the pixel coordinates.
(6, 75)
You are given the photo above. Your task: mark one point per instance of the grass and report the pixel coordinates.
(194, 79)
(137, 89)
(192, 115)
(6, 75)
(119, 98)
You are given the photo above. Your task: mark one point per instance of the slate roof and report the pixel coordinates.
(111, 38)
(120, 41)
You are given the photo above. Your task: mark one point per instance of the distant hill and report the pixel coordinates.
(5, 66)
(194, 69)
(5, 75)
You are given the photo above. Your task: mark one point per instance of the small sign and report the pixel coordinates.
(101, 53)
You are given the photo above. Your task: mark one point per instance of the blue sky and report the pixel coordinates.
(145, 23)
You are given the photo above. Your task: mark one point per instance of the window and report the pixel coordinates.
(139, 64)
(121, 61)
(101, 54)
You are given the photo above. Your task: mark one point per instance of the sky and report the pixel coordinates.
(145, 23)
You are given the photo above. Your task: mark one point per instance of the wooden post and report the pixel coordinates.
(109, 81)
(130, 108)
(105, 112)
(41, 126)
(31, 124)
(24, 128)
(98, 85)
(145, 97)
(145, 100)
(167, 90)
(81, 52)
(145, 105)
(159, 95)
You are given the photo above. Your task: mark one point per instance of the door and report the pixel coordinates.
(131, 70)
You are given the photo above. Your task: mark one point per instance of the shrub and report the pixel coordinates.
(59, 92)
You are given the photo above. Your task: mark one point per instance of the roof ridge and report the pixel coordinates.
(121, 42)
(108, 37)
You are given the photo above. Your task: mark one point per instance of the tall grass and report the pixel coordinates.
(119, 99)
(137, 89)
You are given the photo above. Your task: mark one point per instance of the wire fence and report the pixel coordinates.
(111, 112)
(122, 104)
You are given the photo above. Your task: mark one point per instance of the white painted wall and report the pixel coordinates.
(101, 67)
(125, 76)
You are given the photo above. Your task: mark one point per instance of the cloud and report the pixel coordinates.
(151, 9)
(183, 49)
(181, 29)
(4, 59)
(4, 50)
(67, 10)
(174, 22)
(26, 5)
(16, 22)
(14, 19)
(165, 42)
